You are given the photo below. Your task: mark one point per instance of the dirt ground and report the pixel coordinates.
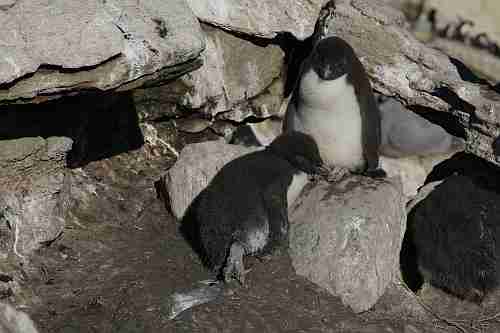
(121, 256)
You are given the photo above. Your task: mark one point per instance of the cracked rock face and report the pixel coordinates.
(34, 190)
(260, 18)
(57, 47)
(399, 65)
(238, 79)
(346, 237)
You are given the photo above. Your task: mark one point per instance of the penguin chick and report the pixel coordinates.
(334, 103)
(405, 133)
(455, 232)
(243, 211)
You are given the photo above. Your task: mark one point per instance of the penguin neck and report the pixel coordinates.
(319, 94)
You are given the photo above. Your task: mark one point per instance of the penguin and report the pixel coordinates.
(455, 233)
(243, 211)
(334, 103)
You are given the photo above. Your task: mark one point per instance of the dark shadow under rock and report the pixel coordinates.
(100, 125)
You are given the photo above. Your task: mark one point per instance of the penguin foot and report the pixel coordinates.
(234, 268)
(336, 174)
(375, 173)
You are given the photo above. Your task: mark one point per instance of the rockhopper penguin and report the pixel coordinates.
(334, 103)
(455, 231)
(243, 210)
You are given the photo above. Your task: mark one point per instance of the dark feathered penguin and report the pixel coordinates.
(456, 233)
(334, 103)
(244, 209)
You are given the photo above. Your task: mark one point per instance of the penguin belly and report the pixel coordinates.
(329, 111)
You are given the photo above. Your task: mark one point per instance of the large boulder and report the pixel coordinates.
(346, 237)
(53, 48)
(197, 164)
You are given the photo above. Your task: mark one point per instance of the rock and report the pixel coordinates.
(260, 18)
(27, 158)
(67, 46)
(34, 190)
(14, 321)
(37, 216)
(238, 79)
(257, 134)
(405, 133)
(413, 171)
(399, 65)
(197, 164)
(346, 237)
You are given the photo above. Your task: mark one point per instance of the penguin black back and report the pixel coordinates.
(456, 234)
(244, 208)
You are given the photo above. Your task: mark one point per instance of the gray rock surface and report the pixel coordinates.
(34, 190)
(260, 18)
(400, 65)
(14, 321)
(405, 133)
(238, 79)
(64, 46)
(37, 216)
(346, 237)
(197, 164)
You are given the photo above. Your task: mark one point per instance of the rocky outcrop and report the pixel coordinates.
(56, 48)
(260, 18)
(239, 79)
(346, 237)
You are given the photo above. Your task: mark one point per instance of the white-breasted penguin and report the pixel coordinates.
(334, 103)
(243, 210)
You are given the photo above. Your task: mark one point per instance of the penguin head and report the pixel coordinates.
(331, 58)
(300, 150)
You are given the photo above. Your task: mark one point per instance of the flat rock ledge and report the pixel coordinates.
(60, 47)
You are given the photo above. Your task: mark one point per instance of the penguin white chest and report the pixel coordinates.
(329, 111)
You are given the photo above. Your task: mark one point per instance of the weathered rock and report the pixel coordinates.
(412, 170)
(346, 237)
(14, 321)
(260, 18)
(399, 65)
(37, 216)
(33, 190)
(405, 133)
(257, 134)
(66, 46)
(238, 79)
(197, 164)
